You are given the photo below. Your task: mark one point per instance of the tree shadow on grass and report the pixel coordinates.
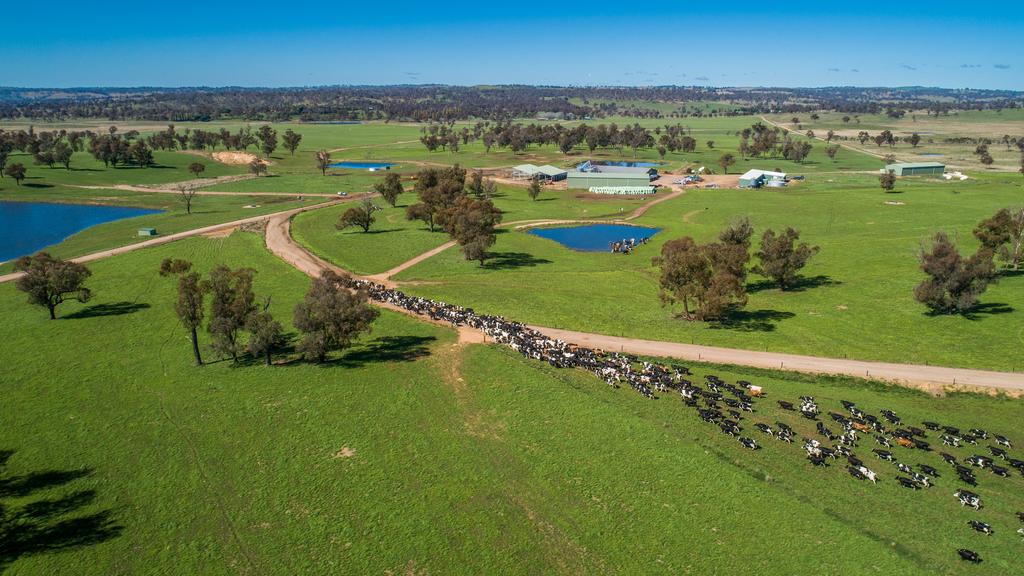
(751, 320)
(36, 185)
(108, 309)
(48, 525)
(512, 260)
(385, 349)
(802, 283)
(983, 310)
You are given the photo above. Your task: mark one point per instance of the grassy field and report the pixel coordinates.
(857, 303)
(394, 240)
(933, 130)
(409, 455)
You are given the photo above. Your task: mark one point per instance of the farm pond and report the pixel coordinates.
(26, 227)
(595, 237)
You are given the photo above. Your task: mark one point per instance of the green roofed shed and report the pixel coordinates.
(916, 168)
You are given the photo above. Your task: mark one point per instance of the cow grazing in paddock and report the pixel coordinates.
(967, 478)
(764, 428)
(1020, 531)
(868, 473)
(980, 527)
(921, 479)
(905, 442)
(883, 441)
(1002, 441)
(948, 458)
(969, 555)
(979, 433)
(1018, 464)
(786, 405)
(903, 468)
(908, 483)
(948, 440)
(921, 445)
(817, 459)
(749, 443)
(997, 452)
(968, 498)
(854, 461)
(917, 432)
(979, 461)
(951, 430)
(928, 470)
(883, 454)
(930, 425)
(1020, 516)
(856, 473)
(999, 471)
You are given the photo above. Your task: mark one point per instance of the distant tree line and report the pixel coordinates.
(425, 103)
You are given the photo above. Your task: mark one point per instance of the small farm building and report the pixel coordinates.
(545, 172)
(916, 168)
(756, 178)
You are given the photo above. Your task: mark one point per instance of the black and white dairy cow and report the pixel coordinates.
(968, 498)
(980, 527)
(969, 555)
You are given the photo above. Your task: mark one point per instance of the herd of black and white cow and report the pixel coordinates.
(727, 405)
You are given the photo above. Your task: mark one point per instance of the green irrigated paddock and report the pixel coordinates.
(409, 454)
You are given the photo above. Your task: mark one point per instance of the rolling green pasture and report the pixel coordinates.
(409, 455)
(857, 302)
(393, 240)
(87, 171)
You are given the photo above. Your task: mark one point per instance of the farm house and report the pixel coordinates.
(916, 168)
(756, 178)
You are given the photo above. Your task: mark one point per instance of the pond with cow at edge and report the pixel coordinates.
(595, 237)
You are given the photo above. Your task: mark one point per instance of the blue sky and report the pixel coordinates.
(737, 43)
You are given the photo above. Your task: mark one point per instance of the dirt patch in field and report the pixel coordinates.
(345, 452)
(222, 233)
(235, 158)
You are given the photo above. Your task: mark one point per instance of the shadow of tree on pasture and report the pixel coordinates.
(47, 525)
(981, 310)
(802, 283)
(385, 349)
(751, 320)
(512, 260)
(108, 309)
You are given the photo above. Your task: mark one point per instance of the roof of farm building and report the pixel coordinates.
(606, 175)
(916, 165)
(549, 170)
(754, 173)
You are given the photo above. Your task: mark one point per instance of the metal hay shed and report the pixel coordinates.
(916, 168)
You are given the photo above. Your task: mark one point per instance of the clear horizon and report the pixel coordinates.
(740, 44)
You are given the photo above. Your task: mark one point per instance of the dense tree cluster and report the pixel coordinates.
(517, 137)
(233, 311)
(710, 279)
(953, 283)
(49, 281)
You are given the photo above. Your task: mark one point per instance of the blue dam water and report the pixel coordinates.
(27, 227)
(594, 237)
(363, 165)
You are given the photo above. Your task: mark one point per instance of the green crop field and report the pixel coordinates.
(408, 454)
(858, 303)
